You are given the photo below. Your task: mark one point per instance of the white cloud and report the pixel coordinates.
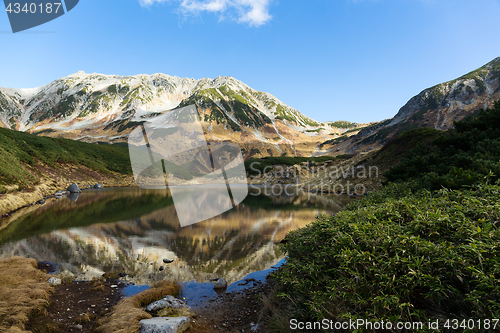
(251, 12)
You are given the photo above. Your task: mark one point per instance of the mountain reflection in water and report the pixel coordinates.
(131, 230)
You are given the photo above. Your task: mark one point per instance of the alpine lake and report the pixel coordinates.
(129, 231)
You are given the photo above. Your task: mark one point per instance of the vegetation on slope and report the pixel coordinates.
(343, 124)
(459, 157)
(21, 153)
(408, 252)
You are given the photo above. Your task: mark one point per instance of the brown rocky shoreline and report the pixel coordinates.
(81, 306)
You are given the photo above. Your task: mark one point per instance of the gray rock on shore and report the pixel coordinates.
(73, 188)
(98, 186)
(53, 281)
(220, 284)
(166, 302)
(164, 325)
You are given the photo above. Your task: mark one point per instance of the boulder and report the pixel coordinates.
(220, 284)
(53, 281)
(168, 301)
(168, 261)
(73, 188)
(98, 186)
(164, 325)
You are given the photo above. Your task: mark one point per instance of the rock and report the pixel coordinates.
(161, 268)
(53, 281)
(166, 302)
(168, 261)
(73, 188)
(41, 202)
(67, 275)
(47, 266)
(164, 325)
(220, 284)
(98, 186)
(79, 327)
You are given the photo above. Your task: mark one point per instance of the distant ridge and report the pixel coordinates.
(97, 107)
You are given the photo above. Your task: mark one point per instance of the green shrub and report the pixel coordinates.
(423, 249)
(399, 255)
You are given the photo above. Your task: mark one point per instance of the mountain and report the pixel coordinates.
(436, 107)
(451, 101)
(97, 107)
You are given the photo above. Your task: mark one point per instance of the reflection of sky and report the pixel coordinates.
(133, 290)
(196, 294)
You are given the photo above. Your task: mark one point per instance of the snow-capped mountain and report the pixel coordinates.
(97, 107)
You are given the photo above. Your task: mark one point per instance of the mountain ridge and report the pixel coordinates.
(438, 107)
(97, 107)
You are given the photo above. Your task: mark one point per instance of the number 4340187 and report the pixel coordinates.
(33, 8)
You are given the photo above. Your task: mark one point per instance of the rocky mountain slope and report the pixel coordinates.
(436, 107)
(96, 107)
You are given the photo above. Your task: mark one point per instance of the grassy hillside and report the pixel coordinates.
(462, 156)
(425, 248)
(22, 156)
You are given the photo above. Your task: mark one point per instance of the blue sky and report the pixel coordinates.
(356, 60)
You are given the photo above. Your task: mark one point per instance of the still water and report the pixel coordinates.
(131, 231)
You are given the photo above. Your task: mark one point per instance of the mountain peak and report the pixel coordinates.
(438, 107)
(494, 62)
(100, 107)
